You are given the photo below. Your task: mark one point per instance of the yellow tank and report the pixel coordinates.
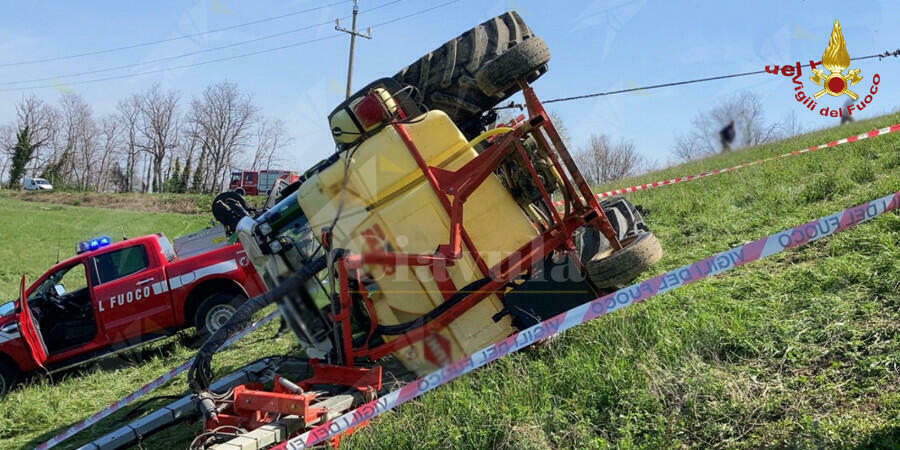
(390, 206)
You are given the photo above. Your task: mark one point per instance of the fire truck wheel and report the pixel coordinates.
(528, 59)
(214, 311)
(445, 77)
(625, 265)
(240, 191)
(8, 377)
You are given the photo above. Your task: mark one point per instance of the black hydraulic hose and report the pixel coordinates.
(200, 374)
(422, 320)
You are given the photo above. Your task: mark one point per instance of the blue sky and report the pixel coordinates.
(595, 46)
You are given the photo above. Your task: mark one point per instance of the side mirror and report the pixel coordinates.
(60, 289)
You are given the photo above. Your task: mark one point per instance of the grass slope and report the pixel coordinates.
(800, 350)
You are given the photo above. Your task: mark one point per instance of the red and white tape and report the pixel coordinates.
(721, 262)
(643, 187)
(143, 390)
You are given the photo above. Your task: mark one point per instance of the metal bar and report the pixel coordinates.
(173, 412)
(429, 175)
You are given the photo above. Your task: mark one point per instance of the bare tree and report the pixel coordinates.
(745, 109)
(271, 137)
(39, 119)
(7, 144)
(790, 126)
(74, 145)
(159, 129)
(225, 116)
(603, 160)
(110, 139)
(129, 116)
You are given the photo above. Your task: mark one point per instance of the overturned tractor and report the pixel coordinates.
(425, 236)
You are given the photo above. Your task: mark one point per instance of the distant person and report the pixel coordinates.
(847, 118)
(726, 135)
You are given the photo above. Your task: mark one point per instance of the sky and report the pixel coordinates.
(596, 46)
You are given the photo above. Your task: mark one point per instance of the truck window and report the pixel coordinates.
(248, 177)
(120, 263)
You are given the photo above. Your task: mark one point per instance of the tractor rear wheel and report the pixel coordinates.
(445, 78)
(624, 266)
(528, 59)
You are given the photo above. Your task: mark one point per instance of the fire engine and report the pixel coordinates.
(113, 296)
(262, 182)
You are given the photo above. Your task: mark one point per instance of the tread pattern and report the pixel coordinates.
(445, 77)
(527, 59)
(626, 264)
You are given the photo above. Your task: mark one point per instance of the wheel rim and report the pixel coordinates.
(218, 316)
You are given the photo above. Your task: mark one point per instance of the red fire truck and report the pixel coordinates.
(259, 182)
(113, 296)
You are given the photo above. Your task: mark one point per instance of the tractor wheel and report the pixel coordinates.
(625, 265)
(445, 78)
(528, 59)
(214, 311)
(9, 375)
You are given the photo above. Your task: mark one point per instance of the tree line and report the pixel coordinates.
(154, 141)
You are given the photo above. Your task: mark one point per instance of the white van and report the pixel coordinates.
(36, 184)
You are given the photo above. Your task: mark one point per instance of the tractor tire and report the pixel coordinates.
(445, 78)
(528, 59)
(625, 265)
(9, 376)
(214, 311)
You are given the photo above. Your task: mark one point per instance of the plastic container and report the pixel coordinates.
(390, 206)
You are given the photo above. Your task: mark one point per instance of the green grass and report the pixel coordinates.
(799, 350)
(33, 231)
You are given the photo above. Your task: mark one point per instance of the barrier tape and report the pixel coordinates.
(643, 187)
(718, 263)
(143, 390)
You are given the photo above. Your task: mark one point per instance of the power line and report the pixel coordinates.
(184, 55)
(176, 38)
(512, 105)
(228, 58)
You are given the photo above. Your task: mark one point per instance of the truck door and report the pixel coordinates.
(251, 183)
(30, 330)
(131, 292)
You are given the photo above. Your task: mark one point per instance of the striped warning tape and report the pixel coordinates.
(721, 262)
(643, 187)
(143, 390)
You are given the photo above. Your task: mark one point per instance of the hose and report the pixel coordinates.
(424, 319)
(200, 374)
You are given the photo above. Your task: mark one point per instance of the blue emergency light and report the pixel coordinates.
(93, 244)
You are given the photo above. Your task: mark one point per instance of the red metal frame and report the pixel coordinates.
(453, 189)
(253, 407)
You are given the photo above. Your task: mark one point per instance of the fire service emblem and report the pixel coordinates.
(836, 60)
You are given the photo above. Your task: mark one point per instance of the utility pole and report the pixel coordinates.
(353, 34)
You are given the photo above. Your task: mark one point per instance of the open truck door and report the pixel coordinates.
(30, 330)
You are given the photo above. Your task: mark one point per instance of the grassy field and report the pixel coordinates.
(799, 350)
